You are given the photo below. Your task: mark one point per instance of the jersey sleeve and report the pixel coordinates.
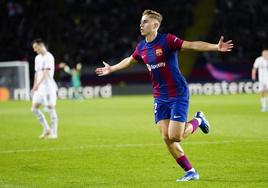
(173, 42)
(49, 64)
(256, 63)
(136, 55)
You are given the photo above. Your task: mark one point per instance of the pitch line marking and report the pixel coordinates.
(124, 146)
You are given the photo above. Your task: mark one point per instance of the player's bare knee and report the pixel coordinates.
(166, 139)
(176, 138)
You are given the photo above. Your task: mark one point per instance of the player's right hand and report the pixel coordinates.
(103, 70)
(225, 46)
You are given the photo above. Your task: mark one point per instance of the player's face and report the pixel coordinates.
(147, 25)
(38, 48)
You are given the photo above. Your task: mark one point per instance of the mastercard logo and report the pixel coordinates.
(4, 94)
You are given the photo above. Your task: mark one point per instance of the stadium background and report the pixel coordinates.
(90, 31)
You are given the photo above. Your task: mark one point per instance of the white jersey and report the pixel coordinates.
(262, 65)
(43, 62)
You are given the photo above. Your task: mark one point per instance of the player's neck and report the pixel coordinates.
(151, 37)
(266, 58)
(44, 52)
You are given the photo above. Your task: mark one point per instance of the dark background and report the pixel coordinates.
(90, 31)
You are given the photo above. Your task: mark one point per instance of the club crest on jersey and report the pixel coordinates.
(158, 52)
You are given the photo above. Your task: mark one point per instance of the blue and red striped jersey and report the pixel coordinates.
(161, 59)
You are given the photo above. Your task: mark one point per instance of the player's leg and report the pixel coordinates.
(200, 121)
(263, 101)
(191, 126)
(178, 129)
(174, 148)
(45, 105)
(175, 135)
(37, 101)
(162, 118)
(263, 92)
(265, 95)
(177, 152)
(77, 94)
(52, 98)
(54, 121)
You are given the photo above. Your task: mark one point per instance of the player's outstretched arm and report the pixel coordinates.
(107, 69)
(205, 46)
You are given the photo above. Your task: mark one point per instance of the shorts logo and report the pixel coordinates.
(155, 108)
(158, 52)
(176, 116)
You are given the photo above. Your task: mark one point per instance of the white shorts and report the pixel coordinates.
(263, 86)
(45, 98)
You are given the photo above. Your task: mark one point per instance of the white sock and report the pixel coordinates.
(41, 118)
(199, 120)
(263, 102)
(191, 170)
(54, 122)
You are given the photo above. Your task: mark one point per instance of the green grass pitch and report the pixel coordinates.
(114, 143)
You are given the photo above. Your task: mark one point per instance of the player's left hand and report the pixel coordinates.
(225, 46)
(103, 70)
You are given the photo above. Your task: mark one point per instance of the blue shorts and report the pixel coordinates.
(175, 109)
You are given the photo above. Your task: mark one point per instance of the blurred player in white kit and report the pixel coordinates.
(44, 91)
(261, 64)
